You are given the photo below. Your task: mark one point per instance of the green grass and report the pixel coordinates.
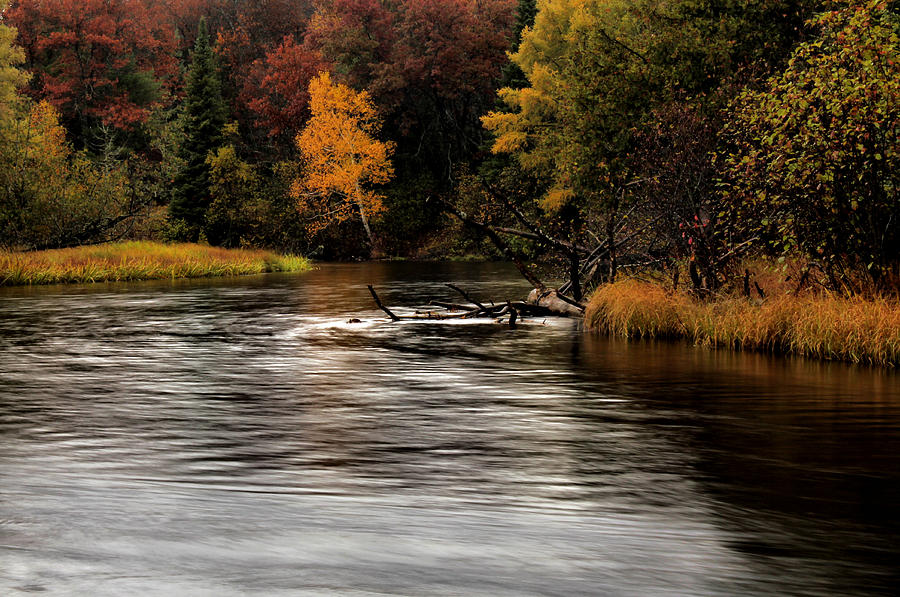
(819, 325)
(138, 261)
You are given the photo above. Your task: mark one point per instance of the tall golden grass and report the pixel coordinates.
(857, 330)
(138, 260)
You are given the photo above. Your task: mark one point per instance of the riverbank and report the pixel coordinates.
(856, 330)
(139, 260)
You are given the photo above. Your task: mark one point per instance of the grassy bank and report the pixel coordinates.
(138, 261)
(856, 330)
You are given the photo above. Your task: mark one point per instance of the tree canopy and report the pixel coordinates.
(12, 77)
(342, 157)
(814, 162)
(99, 62)
(585, 134)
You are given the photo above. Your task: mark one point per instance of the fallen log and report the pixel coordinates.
(529, 310)
(452, 313)
(436, 315)
(555, 302)
(540, 303)
(452, 306)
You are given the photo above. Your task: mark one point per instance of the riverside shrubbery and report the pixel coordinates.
(821, 325)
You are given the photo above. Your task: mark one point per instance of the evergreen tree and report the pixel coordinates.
(511, 75)
(205, 117)
(527, 10)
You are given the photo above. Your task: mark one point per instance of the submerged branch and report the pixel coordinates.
(466, 296)
(381, 306)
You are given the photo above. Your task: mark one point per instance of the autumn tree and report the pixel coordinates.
(237, 197)
(602, 72)
(253, 25)
(254, 41)
(51, 196)
(815, 154)
(276, 89)
(341, 157)
(97, 61)
(430, 66)
(183, 17)
(204, 118)
(356, 37)
(12, 77)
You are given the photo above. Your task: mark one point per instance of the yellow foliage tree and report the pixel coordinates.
(11, 77)
(341, 157)
(33, 150)
(51, 196)
(530, 128)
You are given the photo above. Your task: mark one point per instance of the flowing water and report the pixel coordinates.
(240, 437)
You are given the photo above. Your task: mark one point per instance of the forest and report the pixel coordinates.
(678, 140)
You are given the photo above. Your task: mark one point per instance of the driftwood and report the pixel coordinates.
(450, 306)
(540, 303)
(555, 302)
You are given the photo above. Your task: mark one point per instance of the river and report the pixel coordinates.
(240, 437)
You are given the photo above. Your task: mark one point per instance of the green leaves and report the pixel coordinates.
(826, 133)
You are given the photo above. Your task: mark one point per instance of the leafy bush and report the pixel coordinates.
(815, 163)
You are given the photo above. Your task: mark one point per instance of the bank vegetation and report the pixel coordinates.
(811, 324)
(127, 261)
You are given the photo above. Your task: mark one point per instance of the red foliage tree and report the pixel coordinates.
(184, 18)
(430, 65)
(261, 23)
(95, 60)
(454, 47)
(357, 38)
(277, 88)
(255, 38)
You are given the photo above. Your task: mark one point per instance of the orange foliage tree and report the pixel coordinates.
(341, 157)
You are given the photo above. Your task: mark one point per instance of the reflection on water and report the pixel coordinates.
(234, 437)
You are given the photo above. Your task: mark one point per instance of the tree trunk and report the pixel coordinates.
(365, 220)
(365, 223)
(575, 275)
(611, 243)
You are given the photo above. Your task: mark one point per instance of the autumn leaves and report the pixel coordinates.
(342, 157)
(118, 74)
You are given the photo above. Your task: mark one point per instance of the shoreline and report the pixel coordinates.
(826, 327)
(139, 260)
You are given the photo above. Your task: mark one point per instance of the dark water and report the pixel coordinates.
(241, 438)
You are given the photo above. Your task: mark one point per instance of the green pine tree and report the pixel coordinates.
(205, 117)
(511, 75)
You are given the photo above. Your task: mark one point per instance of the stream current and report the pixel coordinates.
(240, 437)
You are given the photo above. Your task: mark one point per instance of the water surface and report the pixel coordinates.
(240, 437)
